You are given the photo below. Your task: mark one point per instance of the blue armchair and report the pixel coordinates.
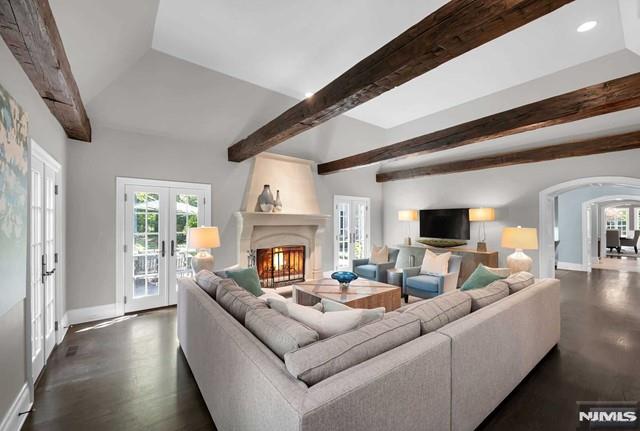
(373, 271)
(427, 285)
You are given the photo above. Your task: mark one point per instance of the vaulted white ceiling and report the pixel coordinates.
(292, 47)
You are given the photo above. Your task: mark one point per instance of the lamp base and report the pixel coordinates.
(482, 246)
(202, 260)
(407, 241)
(519, 261)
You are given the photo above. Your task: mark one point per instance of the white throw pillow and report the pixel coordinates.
(433, 263)
(379, 255)
(271, 293)
(326, 324)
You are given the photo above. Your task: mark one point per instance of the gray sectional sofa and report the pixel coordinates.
(448, 379)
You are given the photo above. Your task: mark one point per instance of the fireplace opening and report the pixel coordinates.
(280, 266)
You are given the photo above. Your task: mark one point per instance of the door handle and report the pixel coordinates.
(162, 249)
(173, 248)
(44, 272)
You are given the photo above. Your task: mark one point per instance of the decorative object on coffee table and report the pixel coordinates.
(482, 215)
(203, 239)
(278, 203)
(361, 293)
(344, 278)
(520, 238)
(265, 200)
(408, 216)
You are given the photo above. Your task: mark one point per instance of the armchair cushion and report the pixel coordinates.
(427, 283)
(367, 271)
(435, 263)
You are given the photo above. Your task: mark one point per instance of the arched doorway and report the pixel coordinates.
(547, 208)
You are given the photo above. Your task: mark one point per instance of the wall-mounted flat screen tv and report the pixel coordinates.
(445, 223)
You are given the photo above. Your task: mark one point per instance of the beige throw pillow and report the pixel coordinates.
(327, 324)
(433, 263)
(379, 255)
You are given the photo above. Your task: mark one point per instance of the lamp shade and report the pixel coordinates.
(204, 237)
(482, 214)
(407, 215)
(524, 238)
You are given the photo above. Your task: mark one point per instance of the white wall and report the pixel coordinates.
(45, 130)
(169, 119)
(513, 191)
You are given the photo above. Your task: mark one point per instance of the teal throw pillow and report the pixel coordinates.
(481, 277)
(247, 278)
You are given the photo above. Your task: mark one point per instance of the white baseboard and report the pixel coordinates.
(570, 266)
(89, 314)
(63, 326)
(22, 403)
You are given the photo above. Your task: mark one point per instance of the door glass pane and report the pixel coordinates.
(186, 217)
(145, 250)
(343, 235)
(359, 230)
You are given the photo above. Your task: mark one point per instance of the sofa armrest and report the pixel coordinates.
(359, 262)
(410, 272)
(387, 389)
(381, 271)
(450, 282)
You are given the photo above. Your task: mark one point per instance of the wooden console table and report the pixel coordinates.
(471, 258)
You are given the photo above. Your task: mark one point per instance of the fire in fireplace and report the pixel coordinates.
(280, 266)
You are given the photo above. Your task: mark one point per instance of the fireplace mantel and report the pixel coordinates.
(261, 230)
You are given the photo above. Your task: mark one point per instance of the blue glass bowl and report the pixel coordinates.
(344, 277)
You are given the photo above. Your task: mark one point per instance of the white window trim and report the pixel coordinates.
(624, 232)
(121, 183)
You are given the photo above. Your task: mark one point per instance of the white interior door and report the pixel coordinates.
(146, 247)
(43, 260)
(187, 210)
(351, 230)
(37, 247)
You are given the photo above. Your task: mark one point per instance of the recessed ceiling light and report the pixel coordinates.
(307, 95)
(586, 26)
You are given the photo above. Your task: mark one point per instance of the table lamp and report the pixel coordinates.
(203, 239)
(482, 215)
(520, 238)
(408, 216)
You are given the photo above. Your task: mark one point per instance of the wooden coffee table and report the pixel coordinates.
(361, 293)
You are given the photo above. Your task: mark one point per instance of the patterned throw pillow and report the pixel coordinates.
(481, 277)
(488, 295)
(208, 281)
(435, 264)
(379, 255)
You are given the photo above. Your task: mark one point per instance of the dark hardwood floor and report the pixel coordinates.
(131, 375)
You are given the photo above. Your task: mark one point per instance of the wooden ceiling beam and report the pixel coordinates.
(29, 30)
(457, 27)
(611, 96)
(605, 144)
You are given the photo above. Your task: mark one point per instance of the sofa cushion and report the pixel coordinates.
(480, 277)
(247, 278)
(329, 306)
(487, 295)
(519, 281)
(208, 281)
(427, 283)
(271, 293)
(503, 272)
(320, 360)
(327, 324)
(367, 271)
(436, 312)
(279, 333)
(235, 300)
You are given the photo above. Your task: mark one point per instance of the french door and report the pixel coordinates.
(351, 230)
(157, 218)
(43, 259)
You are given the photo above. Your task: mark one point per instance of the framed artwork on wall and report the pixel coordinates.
(14, 193)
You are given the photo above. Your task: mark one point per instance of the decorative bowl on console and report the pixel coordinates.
(344, 278)
(441, 243)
